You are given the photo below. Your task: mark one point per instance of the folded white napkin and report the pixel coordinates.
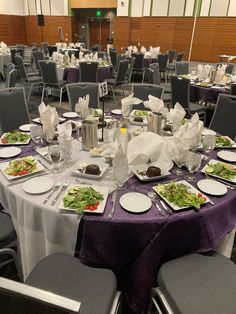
(72, 59)
(82, 106)
(143, 49)
(135, 49)
(64, 138)
(154, 104)
(49, 119)
(220, 73)
(95, 56)
(127, 103)
(176, 115)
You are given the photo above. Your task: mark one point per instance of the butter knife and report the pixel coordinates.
(113, 200)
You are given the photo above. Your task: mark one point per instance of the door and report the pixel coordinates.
(105, 33)
(99, 31)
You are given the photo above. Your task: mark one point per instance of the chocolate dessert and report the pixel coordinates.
(92, 169)
(167, 128)
(138, 119)
(153, 171)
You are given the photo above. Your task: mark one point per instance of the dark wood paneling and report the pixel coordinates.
(121, 32)
(12, 29)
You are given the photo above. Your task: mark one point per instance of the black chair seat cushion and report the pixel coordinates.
(7, 230)
(35, 79)
(61, 84)
(64, 275)
(196, 108)
(199, 284)
(33, 73)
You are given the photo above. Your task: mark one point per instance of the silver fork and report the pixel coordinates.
(55, 188)
(63, 188)
(152, 196)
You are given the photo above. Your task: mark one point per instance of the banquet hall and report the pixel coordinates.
(117, 156)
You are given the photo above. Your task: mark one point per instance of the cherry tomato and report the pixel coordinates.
(4, 141)
(199, 195)
(14, 174)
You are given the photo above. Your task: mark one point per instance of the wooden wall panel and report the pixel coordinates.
(182, 34)
(121, 32)
(12, 29)
(135, 31)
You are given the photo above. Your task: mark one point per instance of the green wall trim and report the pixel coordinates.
(227, 12)
(70, 11)
(197, 7)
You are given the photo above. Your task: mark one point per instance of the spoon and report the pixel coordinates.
(152, 196)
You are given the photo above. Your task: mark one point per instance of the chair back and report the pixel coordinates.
(13, 109)
(130, 69)
(37, 55)
(113, 56)
(44, 47)
(21, 67)
(179, 56)
(28, 55)
(122, 70)
(19, 298)
(20, 49)
(48, 71)
(88, 71)
(51, 49)
(119, 58)
(171, 53)
(181, 67)
(229, 69)
(142, 91)
(156, 73)
(13, 53)
(180, 91)
(162, 60)
(76, 90)
(149, 75)
(223, 119)
(233, 89)
(138, 64)
(11, 78)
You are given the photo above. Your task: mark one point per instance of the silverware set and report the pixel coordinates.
(163, 209)
(113, 200)
(62, 189)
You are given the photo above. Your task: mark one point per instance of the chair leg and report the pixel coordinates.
(60, 96)
(123, 90)
(30, 91)
(42, 93)
(113, 94)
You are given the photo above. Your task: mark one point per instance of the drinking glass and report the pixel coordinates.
(54, 154)
(179, 161)
(36, 133)
(208, 144)
(120, 171)
(193, 163)
(66, 152)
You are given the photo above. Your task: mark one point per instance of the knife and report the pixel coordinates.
(113, 200)
(169, 211)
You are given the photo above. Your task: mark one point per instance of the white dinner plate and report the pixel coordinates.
(25, 127)
(38, 120)
(140, 170)
(227, 155)
(38, 185)
(135, 202)
(70, 114)
(116, 111)
(212, 187)
(8, 152)
(82, 165)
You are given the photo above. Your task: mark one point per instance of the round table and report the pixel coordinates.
(206, 94)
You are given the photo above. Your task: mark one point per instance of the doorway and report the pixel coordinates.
(99, 32)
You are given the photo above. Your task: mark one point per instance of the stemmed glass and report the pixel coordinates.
(54, 155)
(178, 159)
(120, 171)
(66, 152)
(208, 144)
(193, 163)
(36, 133)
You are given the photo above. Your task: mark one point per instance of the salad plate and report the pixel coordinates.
(70, 114)
(116, 111)
(140, 173)
(139, 113)
(38, 120)
(227, 155)
(220, 170)
(97, 112)
(25, 127)
(8, 152)
(21, 167)
(79, 169)
(83, 198)
(224, 142)
(38, 185)
(181, 195)
(135, 202)
(15, 138)
(212, 187)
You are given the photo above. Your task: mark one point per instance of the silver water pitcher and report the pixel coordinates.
(88, 134)
(155, 122)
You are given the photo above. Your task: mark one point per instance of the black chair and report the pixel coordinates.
(119, 80)
(13, 109)
(44, 47)
(32, 80)
(180, 92)
(178, 57)
(76, 90)
(88, 71)
(233, 89)
(196, 284)
(138, 68)
(51, 49)
(130, 70)
(162, 60)
(60, 284)
(142, 91)
(223, 119)
(49, 74)
(113, 56)
(11, 78)
(157, 80)
(8, 242)
(171, 53)
(181, 67)
(119, 58)
(37, 55)
(229, 69)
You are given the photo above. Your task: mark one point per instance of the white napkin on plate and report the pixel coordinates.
(127, 103)
(82, 106)
(49, 119)
(176, 115)
(154, 104)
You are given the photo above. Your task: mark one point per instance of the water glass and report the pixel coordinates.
(179, 161)
(193, 163)
(36, 133)
(120, 171)
(54, 155)
(208, 144)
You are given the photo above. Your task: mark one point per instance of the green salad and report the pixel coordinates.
(97, 112)
(140, 113)
(180, 195)
(222, 141)
(15, 137)
(82, 198)
(20, 167)
(222, 170)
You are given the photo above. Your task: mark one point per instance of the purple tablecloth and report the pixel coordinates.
(71, 75)
(207, 94)
(134, 246)
(148, 61)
